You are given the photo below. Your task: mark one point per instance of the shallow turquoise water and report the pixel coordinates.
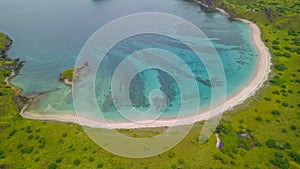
(48, 35)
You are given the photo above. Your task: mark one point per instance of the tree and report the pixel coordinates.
(271, 143)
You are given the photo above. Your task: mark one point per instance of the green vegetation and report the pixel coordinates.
(272, 116)
(67, 74)
(2, 40)
(277, 130)
(4, 62)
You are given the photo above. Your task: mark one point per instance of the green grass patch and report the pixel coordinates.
(67, 74)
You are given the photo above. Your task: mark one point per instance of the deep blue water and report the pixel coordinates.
(49, 35)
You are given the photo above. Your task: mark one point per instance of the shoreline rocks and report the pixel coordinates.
(14, 66)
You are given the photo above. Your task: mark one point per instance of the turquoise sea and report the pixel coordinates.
(49, 35)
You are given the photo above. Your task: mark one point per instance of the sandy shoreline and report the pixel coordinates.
(260, 76)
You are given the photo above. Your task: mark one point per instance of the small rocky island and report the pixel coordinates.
(67, 77)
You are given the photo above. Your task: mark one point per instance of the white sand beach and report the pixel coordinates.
(260, 76)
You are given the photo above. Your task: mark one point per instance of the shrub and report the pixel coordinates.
(52, 166)
(37, 159)
(280, 67)
(275, 42)
(64, 134)
(271, 143)
(6, 74)
(19, 145)
(100, 165)
(293, 127)
(288, 48)
(30, 137)
(217, 156)
(171, 154)
(12, 133)
(58, 160)
(180, 161)
(285, 104)
(42, 142)
(27, 150)
(281, 163)
(91, 159)
(275, 47)
(292, 32)
(294, 156)
(287, 146)
(287, 55)
(76, 162)
(258, 118)
(3, 94)
(2, 155)
(278, 155)
(28, 129)
(276, 112)
(268, 99)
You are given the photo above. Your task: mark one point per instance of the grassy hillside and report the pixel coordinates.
(272, 116)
